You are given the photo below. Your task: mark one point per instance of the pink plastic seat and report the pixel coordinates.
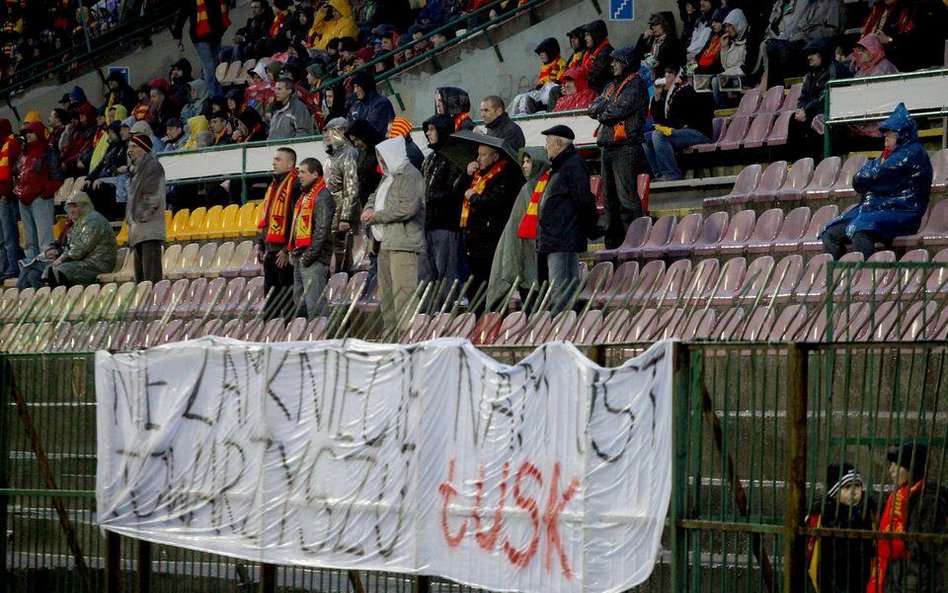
(673, 284)
(486, 329)
(686, 231)
(875, 283)
(791, 232)
(229, 303)
(785, 277)
(537, 326)
(793, 95)
(750, 102)
(733, 136)
(212, 327)
(772, 101)
(765, 230)
(917, 319)
(824, 177)
(718, 128)
(936, 284)
(614, 327)
(704, 278)
(670, 324)
(744, 185)
(940, 170)
(641, 326)
(213, 295)
(439, 324)
(660, 235)
(157, 300)
(780, 130)
(788, 323)
(849, 321)
(813, 287)
(737, 234)
(771, 181)
(191, 301)
(274, 331)
(729, 281)
(757, 133)
(649, 281)
(758, 325)
(416, 329)
(617, 291)
(587, 327)
(843, 187)
(712, 230)
(700, 326)
(462, 326)
(756, 279)
(728, 325)
(251, 301)
(562, 327)
(510, 328)
(596, 281)
(797, 178)
(635, 237)
(810, 240)
(935, 231)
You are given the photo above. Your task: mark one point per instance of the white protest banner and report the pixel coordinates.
(549, 476)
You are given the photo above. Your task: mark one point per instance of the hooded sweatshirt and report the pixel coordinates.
(37, 176)
(554, 65)
(373, 107)
(734, 51)
(199, 104)
(817, 79)
(398, 204)
(583, 95)
(196, 125)
(457, 105)
(442, 198)
(597, 58)
(878, 65)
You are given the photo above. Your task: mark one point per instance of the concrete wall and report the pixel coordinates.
(475, 67)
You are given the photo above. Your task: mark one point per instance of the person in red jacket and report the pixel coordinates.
(36, 182)
(9, 233)
(75, 155)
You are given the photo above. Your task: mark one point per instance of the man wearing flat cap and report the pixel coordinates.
(145, 209)
(561, 214)
(918, 506)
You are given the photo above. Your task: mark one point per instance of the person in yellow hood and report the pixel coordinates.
(333, 19)
(116, 112)
(196, 125)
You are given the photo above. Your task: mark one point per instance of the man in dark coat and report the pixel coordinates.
(370, 105)
(311, 242)
(365, 138)
(247, 37)
(456, 104)
(621, 110)
(895, 188)
(145, 209)
(598, 52)
(206, 34)
(120, 92)
(824, 67)
(499, 124)
(567, 212)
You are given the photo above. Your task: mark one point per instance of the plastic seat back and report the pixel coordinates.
(771, 180)
(824, 177)
(758, 131)
(747, 180)
(712, 231)
(843, 186)
(797, 178)
(780, 130)
(773, 100)
(750, 102)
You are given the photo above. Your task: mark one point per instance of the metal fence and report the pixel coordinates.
(755, 427)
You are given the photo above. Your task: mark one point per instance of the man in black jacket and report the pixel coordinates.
(499, 124)
(248, 37)
(682, 118)
(823, 67)
(206, 34)
(567, 213)
(311, 243)
(621, 110)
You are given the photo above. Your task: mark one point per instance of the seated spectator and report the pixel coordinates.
(74, 158)
(108, 186)
(140, 111)
(119, 93)
(370, 105)
(219, 125)
(577, 44)
(576, 93)
(198, 100)
(401, 127)
(248, 37)
(734, 56)
(291, 118)
(700, 34)
(893, 188)
(597, 62)
(659, 46)
(174, 138)
(276, 39)
(912, 31)
(115, 114)
(250, 127)
(708, 61)
(196, 126)
(794, 23)
(333, 19)
(456, 104)
(161, 106)
(234, 99)
(180, 77)
(824, 67)
(682, 119)
(142, 127)
(89, 249)
(689, 13)
(868, 59)
(552, 66)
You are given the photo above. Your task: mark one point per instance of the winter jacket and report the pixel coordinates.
(733, 56)
(320, 248)
(257, 27)
(925, 567)
(490, 210)
(442, 197)
(597, 60)
(456, 103)
(342, 24)
(375, 108)
(90, 247)
(401, 211)
(342, 180)
(180, 91)
(823, 19)
(507, 130)
(624, 109)
(843, 563)
(917, 29)
(660, 52)
(682, 107)
(894, 190)
(116, 155)
(699, 37)
(367, 163)
(583, 95)
(217, 17)
(8, 161)
(878, 64)
(145, 209)
(123, 95)
(292, 120)
(37, 173)
(567, 209)
(815, 82)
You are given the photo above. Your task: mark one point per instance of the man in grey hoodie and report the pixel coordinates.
(396, 211)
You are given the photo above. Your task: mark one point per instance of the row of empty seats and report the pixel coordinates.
(760, 120)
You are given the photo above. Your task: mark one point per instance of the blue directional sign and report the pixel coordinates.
(621, 10)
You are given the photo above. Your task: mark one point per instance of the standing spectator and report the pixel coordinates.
(90, 247)
(342, 180)
(498, 123)
(894, 190)
(682, 118)
(918, 505)
(273, 241)
(291, 118)
(365, 138)
(145, 209)
(598, 51)
(439, 262)
(841, 564)
(36, 181)
(311, 241)
(119, 93)
(561, 216)
(370, 105)
(396, 211)
(577, 44)
(551, 68)
(659, 46)
(576, 92)
(401, 128)
(456, 103)
(209, 20)
(621, 110)
(491, 183)
(9, 233)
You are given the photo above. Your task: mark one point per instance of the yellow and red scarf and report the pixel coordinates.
(6, 171)
(576, 59)
(459, 120)
(203, 26)
(303, 216)
(479, 184)
(894, 518)
(278, 19)
(528, 224)
(141, 111)
(551, 72)
(591, 56)
(276, 206)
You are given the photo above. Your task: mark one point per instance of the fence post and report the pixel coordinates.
(267, 578)
(422, 584)
(143, 566)
(794, 547)
(113, 562)
(680, 403)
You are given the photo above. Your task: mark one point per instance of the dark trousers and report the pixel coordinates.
(620, 165)
(835, 241)
(342, 251)
(278, 286)
(148, 261)
(480, 271)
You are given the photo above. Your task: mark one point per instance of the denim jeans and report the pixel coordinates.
(38, 221)
(11, 253)
(207, 55)
(439, 262)
(309, 283)
(660, 150)
(561, 269)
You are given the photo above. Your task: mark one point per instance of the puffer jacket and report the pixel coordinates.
(568, 209)
(342, 24)
(401, 211)
(622, 105)
(895, 189)
(442, 198)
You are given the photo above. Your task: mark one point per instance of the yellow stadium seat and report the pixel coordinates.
(195, 222)
(178, 230)
(228, 224)
(59, 227)
(250, 228)
(212, 220)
